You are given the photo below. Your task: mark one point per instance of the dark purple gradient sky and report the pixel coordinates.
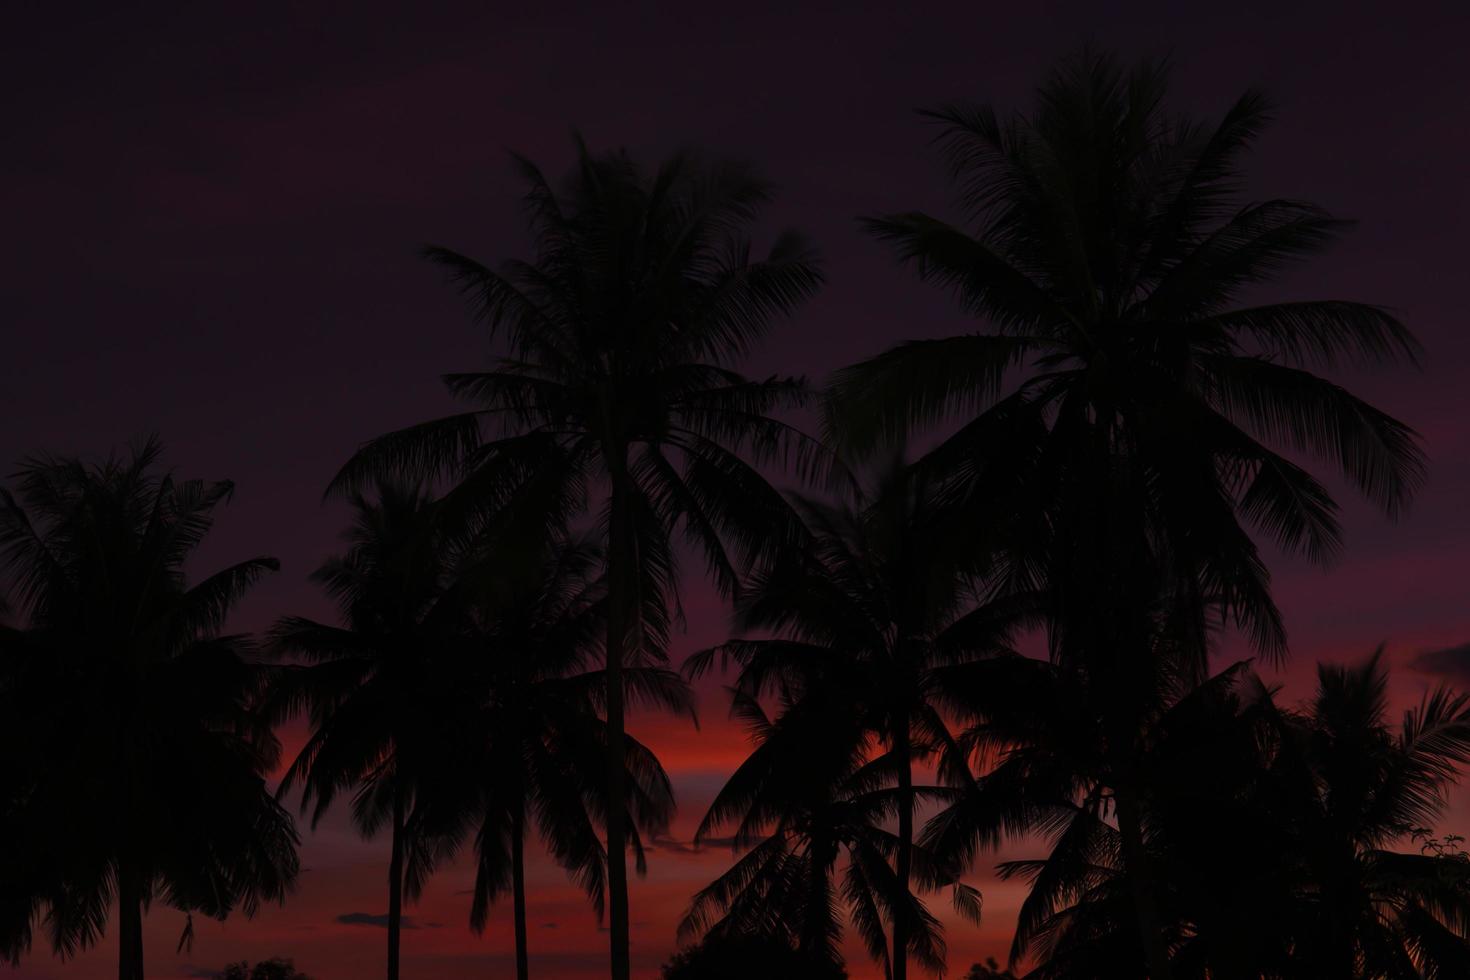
(208, 221)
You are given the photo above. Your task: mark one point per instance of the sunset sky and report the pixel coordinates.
(208, 226)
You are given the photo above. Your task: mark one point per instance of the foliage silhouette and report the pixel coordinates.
(1132, 454)
(616, 390)
(745, 958)
(1271, 831)
(989, 970)
(377, 689)
(870, 603)
(531, 739)
(271, 969)
(806, 799)
(1135, 413)
(135, 755)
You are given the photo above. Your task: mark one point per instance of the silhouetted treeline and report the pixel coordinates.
(1112, 441)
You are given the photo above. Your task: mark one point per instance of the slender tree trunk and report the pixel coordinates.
(518, 886)
(1140, 879)
(621, 579)
(812, 941)
(129, 922)
(395, 887)
(905, 847)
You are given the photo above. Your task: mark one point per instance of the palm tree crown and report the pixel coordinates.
(377, 688)
(1108, 259)
(534, 743)
(1144, 433)
(871, 604)
(141, 771)
(617, 381)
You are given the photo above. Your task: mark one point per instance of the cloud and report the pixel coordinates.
(368, 919)
(662, 843)
(671, 844)
(1452, 662)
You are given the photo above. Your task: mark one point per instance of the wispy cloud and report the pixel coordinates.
(1451, 662)
(676, 846)
(381, 921)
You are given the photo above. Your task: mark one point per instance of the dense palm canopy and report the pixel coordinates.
(1103, 249)
(809, 808)
(1275, 830)
(1047, 774)
(380, 689)
(1131, 422)
(1354, 787)
(1128, 403)
(872, 601)
(532, 742)
(616, 391)
(135, 753)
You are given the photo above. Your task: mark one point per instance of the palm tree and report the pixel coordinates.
(376, 689)
(1358, 785)
(617, 386)
(874, 601)
(807, 796)
(1051, 775)
(533, 740)
(1107, 259)
(1272, 828)
(141, 774)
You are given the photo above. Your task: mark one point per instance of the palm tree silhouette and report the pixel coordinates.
(807, 796)
(617, 386)
(377, 689)
(1272, 831)
(141, 773)
(1108, 260)
(533, 738)
(873, 601)
(1359, 785)
(1053, 774)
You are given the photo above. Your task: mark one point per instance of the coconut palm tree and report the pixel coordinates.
(1120, 389)
(1273, 831)
(874, 600)
(141, 774)
(616, 390)
(807, 800)
(1050, 776)
(378, 689)
(1359, 786)
(534, 742)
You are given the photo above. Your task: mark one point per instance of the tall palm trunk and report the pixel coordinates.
(812, 942)
(621, 580)
(905, 859)
(518, 885)
(1140, 880)
(395, 887)
(129, 921)
(1120, 580)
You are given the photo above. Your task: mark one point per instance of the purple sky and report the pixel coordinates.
(208, 225)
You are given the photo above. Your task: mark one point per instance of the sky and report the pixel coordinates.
(209, 217)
